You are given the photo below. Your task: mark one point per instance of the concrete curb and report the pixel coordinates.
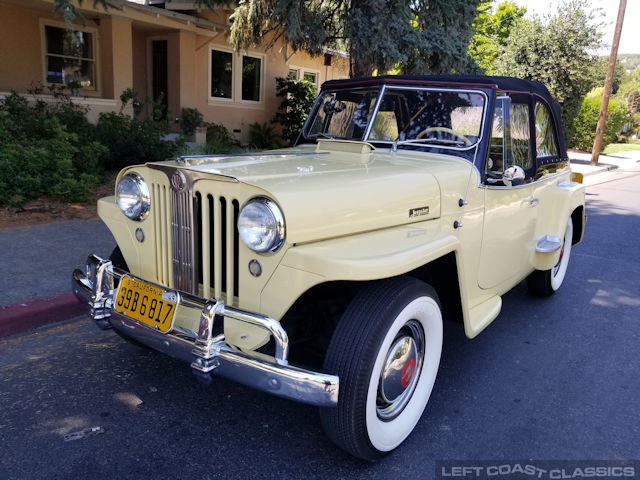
(23, 317)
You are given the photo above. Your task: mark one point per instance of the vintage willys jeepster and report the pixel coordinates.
(322, 273)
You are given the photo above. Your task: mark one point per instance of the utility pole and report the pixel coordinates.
(602, 118)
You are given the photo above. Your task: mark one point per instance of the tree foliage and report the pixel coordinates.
(587, 120)
(297, 100)
(70, 12)
(491, 32)
(423, 36)
(558, 51)
(420, 36)
(630, 90)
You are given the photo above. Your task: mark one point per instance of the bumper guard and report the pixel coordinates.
(207, 354)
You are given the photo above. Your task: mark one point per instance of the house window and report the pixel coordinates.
(221, 74)
(296, 73)
(70, 57)
(236, 77)
(311, 77)
(251, 76)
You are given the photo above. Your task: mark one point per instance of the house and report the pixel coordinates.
(169, 51)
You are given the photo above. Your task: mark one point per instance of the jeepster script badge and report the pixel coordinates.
(178, 180)
(418, 212)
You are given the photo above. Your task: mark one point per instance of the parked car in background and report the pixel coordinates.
(322, 273)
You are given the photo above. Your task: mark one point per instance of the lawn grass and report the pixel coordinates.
(614, 148)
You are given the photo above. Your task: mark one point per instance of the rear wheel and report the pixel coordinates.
(386, 351)
(546, 282)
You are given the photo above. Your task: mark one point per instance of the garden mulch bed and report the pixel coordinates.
(47, 210)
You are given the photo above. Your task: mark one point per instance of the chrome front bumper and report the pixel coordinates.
(207, 354)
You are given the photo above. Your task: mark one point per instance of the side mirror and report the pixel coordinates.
(513, 176)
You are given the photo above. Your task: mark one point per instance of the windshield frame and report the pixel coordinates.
(394, 144)
(465, 151)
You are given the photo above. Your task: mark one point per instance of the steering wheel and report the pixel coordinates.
(450, 131)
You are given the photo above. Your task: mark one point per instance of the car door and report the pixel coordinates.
(510, 207)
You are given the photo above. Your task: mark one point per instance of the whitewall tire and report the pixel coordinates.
(386, 351)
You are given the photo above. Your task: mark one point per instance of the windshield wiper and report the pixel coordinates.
(420, 141)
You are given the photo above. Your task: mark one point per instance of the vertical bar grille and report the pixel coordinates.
(197, 242)
(217, 248)
(161, 230)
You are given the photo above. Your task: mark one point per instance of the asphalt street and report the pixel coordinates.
(549, 379)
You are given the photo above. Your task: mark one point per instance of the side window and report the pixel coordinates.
(545, 135)
(510, 138)
(520, 136)
(497, 147)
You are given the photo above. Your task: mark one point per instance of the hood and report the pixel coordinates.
(329, 193)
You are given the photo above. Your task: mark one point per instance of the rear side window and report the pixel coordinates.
(545, 134)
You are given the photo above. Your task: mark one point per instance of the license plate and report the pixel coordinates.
(146, 303)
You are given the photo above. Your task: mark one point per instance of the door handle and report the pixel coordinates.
(533, 201)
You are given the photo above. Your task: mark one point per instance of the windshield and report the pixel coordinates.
(406, 117)
(343, 114)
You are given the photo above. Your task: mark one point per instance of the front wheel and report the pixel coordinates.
(386, 351)
(546, 282)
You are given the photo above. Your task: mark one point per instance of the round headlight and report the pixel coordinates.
(132, 195)
(261, 225)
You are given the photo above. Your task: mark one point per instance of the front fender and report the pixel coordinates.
(366, 256)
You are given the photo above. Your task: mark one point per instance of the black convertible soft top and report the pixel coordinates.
(503, 84)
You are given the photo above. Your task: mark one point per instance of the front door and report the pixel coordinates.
(159, 81)
(510, 211)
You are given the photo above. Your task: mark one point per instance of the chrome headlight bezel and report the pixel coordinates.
(276, 225)
(143, 202)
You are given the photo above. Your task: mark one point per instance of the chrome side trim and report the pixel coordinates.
(549, 244)
(208, 354)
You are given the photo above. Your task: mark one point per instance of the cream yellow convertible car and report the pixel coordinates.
(322, 273)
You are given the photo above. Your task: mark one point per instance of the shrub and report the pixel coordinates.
(297, 100)
(42, 164)
(263, 136)
(191, 119)
(215, 131)
(586, 121)
(131, 140)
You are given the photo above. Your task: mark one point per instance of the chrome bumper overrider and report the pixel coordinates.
(205, 352)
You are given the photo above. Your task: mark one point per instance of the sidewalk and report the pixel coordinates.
(581, 162)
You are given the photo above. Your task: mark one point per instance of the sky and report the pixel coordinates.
(630, 39)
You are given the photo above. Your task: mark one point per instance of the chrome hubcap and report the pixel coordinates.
(400, 371)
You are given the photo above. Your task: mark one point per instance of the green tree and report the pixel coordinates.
(630, 90)
(422, 36)
(556, 50)
(297, 100)
(587, 119)
(492, 30)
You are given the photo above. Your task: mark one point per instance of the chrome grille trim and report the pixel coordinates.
(183, 246)
(200, 226)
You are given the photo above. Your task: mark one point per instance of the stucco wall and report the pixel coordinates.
(122, 59)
